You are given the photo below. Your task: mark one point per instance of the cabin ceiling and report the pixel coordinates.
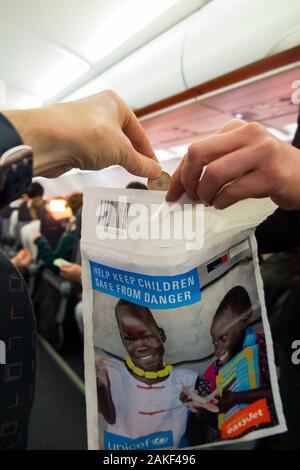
(267, 100)
(47, 47)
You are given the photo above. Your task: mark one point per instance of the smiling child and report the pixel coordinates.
(140, 396)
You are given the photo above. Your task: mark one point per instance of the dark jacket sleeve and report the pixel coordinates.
(63, 250)
(16, 174)
(296, 140)
(9, 137)
(280, 231)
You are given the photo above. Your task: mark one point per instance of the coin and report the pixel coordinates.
(161, 183)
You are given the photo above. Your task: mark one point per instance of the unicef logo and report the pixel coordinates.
(158, 441)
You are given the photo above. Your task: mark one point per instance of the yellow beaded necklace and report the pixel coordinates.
(148, 374)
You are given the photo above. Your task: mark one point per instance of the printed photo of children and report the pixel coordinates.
(184, 377)
(140, 396)
(231, 334)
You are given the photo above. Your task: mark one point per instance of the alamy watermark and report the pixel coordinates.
(124, 220)
(2, 352)
(296, 354)
(296, 94)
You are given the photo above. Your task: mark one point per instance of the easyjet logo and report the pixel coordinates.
(252, 415)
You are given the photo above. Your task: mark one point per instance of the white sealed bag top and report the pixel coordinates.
(178, 351)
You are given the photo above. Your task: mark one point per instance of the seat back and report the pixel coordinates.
(50, 305)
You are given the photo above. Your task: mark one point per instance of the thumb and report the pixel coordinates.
(139, 164)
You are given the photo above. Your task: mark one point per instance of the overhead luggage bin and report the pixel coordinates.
(149, 74)
(227, 35)
(288, 41)
(208, 44)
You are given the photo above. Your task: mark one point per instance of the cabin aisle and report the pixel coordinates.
(58, 418)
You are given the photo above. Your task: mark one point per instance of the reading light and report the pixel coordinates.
(59, 209)
(57, 205)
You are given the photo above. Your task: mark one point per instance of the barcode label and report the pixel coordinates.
(113, 214)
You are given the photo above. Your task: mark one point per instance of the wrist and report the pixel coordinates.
(43, 129)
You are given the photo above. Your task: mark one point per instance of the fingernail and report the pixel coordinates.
(155, 170)
(170, 197)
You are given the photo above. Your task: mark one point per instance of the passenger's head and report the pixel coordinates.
(229, 323)
(136, 185)
(35, 190)
(141, 336)
(36, 207)
(74, 201)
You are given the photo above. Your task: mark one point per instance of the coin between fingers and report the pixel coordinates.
(161, 183)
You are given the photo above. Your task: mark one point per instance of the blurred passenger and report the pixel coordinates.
(74, 202)
(71, 271)
(136, 185)
(35, 190)
(28, 231)
(64, 248)
(51, 228)
(76, 255)
(21, 212)
(22, 259)
(5, 215)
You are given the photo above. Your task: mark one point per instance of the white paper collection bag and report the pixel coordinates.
(178, 350)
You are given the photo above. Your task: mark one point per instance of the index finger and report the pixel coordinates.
(199, 154)
(176, 188)
(204, 152)
(232, 125)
